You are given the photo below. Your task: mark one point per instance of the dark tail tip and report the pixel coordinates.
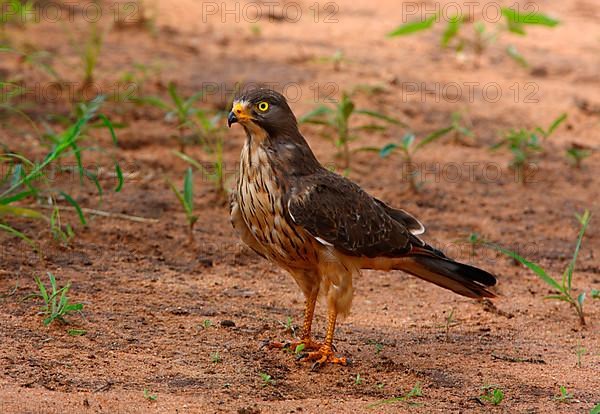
(461, 278)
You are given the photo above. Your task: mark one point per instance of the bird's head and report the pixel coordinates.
(263, 110)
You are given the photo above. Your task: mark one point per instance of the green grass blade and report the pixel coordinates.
(556, 124)
(532, 266)
(192, 99)
(94, 178)
(388, 149)
(43, 293)
(580, 299)
(413, 27)
(152, 101)
(177, 194)
(20, 212)
(433, 136)
(108, 124)
(318, 112)
(120, 178)
(584, 220)
(514, 54)
(20, 235)
(172, 89)
(513, 16)
(452, 29)
(72, 307)
(74, 203)
(192, 162)
(188, 189)
(189, 160)
(16, 197)
(66, 140)
(381, 116)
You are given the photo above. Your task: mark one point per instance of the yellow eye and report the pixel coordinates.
(263, 106)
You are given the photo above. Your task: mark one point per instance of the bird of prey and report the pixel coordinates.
(321, 227)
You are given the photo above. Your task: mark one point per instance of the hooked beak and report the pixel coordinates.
(231, 119)
(239, 113)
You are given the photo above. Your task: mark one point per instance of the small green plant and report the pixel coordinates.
(215, 172)
(256, 30)
(408, 147)
(563, 289)
(580, 352)
(23, 179)
(449, 322)
(60, 232)
(215, 358)
(206, 323)
(474, 240)
(180, 109)
(460, 130)
(91, 53)
(266, 379)
(596, 409)
(545, 133)
(576, 153)
(149, 396)
(56, 302)
(186, 198)
(524, 144)
(595, 294)
(408, 398)
(289, 326)
(453, 35)
(338, 120)
(564, 396)
(492, 394)
(299, 349)
(337, 58)
(15, 12)
(358, 380)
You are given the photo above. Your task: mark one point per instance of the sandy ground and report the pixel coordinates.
(148, 289)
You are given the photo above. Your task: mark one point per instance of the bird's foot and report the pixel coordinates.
(294, 346)
(323, 356)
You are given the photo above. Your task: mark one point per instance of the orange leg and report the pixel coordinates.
(325, 353)
(305, 338)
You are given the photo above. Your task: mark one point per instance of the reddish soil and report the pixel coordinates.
(147, 289)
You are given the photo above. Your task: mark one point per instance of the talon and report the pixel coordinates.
(316, 366)
(309, 344)
(323, 356)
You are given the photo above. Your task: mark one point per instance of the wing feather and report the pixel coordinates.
(337, 211)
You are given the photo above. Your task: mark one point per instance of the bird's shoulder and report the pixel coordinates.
(339, 212)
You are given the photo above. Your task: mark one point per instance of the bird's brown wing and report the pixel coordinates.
(403, 217)
(337, 211)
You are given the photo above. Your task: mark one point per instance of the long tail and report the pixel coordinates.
(433, 266)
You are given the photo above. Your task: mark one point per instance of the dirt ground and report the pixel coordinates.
(148, 290)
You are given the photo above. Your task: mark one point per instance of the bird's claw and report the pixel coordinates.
(308, 344)
(323, 356)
